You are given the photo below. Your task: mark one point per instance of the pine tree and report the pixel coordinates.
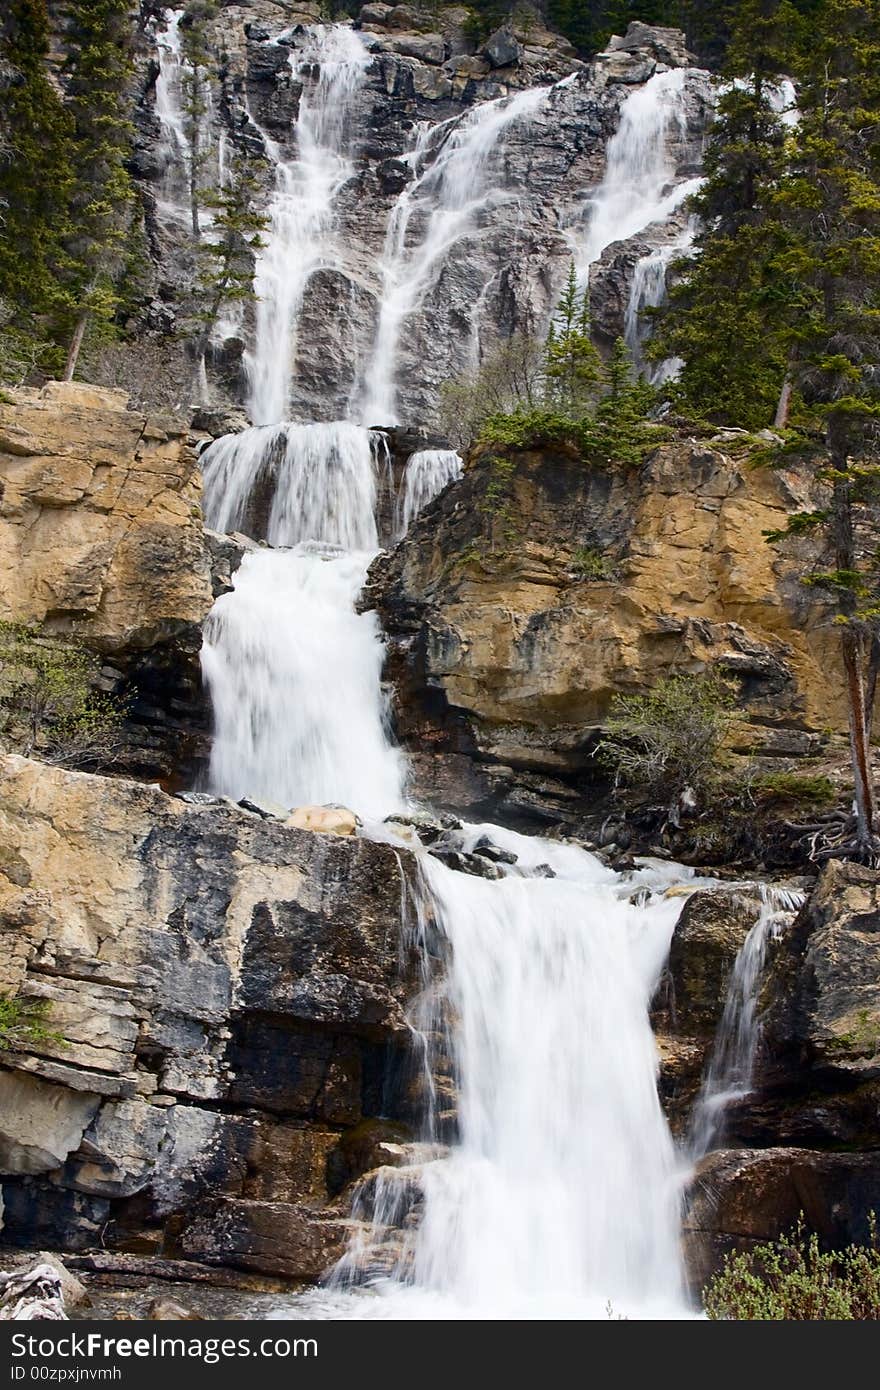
(97, 70)
(829, 204)
(572, 364)
(35, 172)
(227, 254)
(726, 317)
(618, 432)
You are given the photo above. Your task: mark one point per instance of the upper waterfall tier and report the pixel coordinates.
(422, 206)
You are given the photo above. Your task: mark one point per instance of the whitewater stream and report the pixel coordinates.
(559, 1195)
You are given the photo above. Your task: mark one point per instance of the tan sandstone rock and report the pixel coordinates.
(100, 526)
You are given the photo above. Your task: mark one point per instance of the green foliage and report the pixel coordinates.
(669, 739)
(226, 256)
(97, 70)
(795, 788)
(589, 565)
(23, 1023)
(35, 180)
(572, 366)
(49, 707)
(794, 1280)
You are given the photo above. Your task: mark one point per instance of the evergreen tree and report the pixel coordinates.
(572, 364)
(227, 254)
(829, 204)
(35, 172)
(97, 71)
(618, 432)
(726, 316)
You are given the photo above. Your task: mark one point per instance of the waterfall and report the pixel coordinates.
(294, 676)
(731, 1067)
(298, 240)
(321, 481)
(648, 291)
(426, 474)
(459, 184)
(639, 187)
(169, 111)
(292, 669)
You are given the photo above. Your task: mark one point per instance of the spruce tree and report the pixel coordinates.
(572, 364)
(726, 316)
(227, 253)
(97, 70)
(829, 205)
(35, 172)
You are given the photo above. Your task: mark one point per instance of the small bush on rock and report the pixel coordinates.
(23, 1023)
(49, 707)
(669, 741)
(793, 1280)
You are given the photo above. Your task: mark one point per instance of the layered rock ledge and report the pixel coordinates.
(229, 996)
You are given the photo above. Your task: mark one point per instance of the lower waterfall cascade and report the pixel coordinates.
(561, 1191)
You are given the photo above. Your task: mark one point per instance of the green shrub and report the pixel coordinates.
(669, 740)
(23, 1023)
(793, 1280)
(49, 707)
(590, 565)
(804, 790)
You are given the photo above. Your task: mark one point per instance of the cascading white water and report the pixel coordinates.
(444, 203)
(169, 110)
(298, 240)
(321, 478)
(294, 675)
(639, 187)
(648, 291)
(731, 1067)
(426, 474)
(293, 671)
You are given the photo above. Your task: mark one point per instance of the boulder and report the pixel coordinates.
(324, 820)
(502, 49)
(707, 938)
(739, 1198)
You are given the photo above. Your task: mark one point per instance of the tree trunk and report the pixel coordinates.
(780, 419)
(851, 642)
(866, 811)
(75, 345)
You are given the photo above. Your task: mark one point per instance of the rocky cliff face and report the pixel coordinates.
(101, 539)
(513, 225)
(802, 1140)
(529, 593)
(229, 993)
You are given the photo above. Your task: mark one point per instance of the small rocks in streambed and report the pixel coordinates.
(269, 810)
(542, 871)
(198, 798)
(324, 820)
(485, 848)
(32, 1295)
(431, 827)
(468, 863)
(169, 1310)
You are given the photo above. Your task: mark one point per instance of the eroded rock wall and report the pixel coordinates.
(536, 588)
(227, 996)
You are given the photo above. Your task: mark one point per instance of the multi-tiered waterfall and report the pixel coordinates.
(560, 1192)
